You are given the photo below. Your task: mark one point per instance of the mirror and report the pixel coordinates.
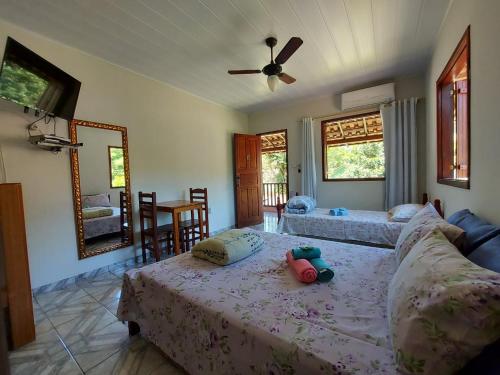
(101, 187)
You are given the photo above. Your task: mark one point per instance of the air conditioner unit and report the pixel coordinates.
(368, 97)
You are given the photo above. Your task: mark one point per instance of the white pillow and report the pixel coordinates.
(423, 222)
(98, 200)
(442, 308)
(404, 212)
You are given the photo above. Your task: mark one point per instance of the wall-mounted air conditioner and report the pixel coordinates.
(368, 97)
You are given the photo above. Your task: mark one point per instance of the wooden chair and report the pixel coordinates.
(124, 228)
(152, 235)
(190, 227)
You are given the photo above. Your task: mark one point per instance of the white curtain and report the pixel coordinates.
(308, 175)
(400, 144)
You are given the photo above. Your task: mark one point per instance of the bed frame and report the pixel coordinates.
(425, 198)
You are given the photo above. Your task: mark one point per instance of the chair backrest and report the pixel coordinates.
(123, 208)
(148, 210)
(201, 195)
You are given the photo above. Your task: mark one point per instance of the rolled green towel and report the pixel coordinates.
(306, 252)
(325, 271)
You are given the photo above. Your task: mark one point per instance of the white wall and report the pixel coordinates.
(483, 16)
(94, 161)
(176, 140)
(367, 195)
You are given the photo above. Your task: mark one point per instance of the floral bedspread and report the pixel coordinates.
(367, 226)
(254, 317)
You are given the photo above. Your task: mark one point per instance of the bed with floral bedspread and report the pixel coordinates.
(254, 317)
(364, 226)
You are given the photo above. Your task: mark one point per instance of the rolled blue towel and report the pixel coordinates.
(306, 252)
(325, 271)
(341, 211)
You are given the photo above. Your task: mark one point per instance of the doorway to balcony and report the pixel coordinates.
(274, 146)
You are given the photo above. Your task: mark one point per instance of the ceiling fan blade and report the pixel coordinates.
(286, 78)
(288, 50)
(247, 71)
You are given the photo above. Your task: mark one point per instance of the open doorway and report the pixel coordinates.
(274, 146)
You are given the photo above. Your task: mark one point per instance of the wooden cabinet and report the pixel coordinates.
(15, 294)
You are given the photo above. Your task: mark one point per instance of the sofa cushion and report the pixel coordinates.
(442, 308)
(423, 222)
(487, 255)
(477, 230)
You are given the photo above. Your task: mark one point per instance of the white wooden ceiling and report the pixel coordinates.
(191, 44)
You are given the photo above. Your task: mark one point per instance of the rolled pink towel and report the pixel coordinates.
(301, 268)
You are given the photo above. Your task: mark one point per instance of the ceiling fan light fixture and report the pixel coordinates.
(272, 82)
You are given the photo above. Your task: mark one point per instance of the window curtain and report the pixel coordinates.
(308, 177)
(400, 145)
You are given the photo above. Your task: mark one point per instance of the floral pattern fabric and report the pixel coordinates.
(254, 317)
(424, 221)
(366, 226)
(404, 212)
(102, 225)
(443, 309)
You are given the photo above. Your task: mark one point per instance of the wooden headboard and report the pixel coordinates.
(425, 198)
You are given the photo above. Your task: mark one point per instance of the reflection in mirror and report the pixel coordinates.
(101, 187)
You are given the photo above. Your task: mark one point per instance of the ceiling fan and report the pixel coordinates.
(273, 70)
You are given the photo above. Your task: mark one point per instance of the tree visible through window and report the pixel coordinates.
(20, 85)
(116, 167)
(353, 148)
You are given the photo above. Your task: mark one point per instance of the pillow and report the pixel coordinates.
(404, 212)
(487, 255)
(228, 247)
(301, 202)
(442, 309)
(95, 212)
(98, 200)
(486, 363)
(422, 223)
(477, 230)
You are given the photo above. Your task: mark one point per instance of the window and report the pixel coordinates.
(116, 167)
(353, 148)
(453, 118)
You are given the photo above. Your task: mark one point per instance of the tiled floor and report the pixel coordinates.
(270, 223)
(78, 331)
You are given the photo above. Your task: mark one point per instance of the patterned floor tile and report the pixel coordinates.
(100, 275)
(111, 304)
(77, 330)
(93, 337)
(46, 355)
(42, 323)
(104, 290)
(67, 297)
(139, 358)
(75, 306)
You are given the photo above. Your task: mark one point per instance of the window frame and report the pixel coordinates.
(324, 146)
(111, 168)
(444, 79)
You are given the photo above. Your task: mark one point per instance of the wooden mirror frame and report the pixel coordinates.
(77, 193)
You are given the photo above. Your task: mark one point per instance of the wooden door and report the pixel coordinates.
(248, 180)
(4, 358)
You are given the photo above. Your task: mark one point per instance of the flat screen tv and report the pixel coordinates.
(31, 81)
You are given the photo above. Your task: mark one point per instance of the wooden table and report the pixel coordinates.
(176, 208)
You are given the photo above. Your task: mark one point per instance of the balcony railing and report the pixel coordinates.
(271, 191)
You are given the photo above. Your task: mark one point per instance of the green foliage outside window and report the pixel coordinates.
(362, 160)
(117, 167)
(20, 85)
(274, 167)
